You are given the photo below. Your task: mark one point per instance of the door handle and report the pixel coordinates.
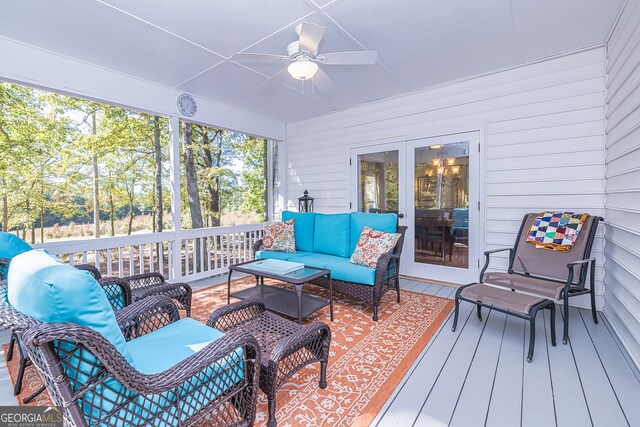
(401, 215)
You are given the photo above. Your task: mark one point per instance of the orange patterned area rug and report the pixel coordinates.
(366, 363)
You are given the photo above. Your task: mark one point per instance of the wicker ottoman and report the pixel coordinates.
(286, 346)
(509, 302)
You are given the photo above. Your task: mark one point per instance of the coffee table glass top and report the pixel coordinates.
(298, 276)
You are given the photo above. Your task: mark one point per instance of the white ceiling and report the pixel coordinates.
(420, 43)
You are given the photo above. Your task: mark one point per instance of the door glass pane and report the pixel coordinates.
(441, 200)
(378, 182)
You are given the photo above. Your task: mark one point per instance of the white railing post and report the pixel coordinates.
(174, 135)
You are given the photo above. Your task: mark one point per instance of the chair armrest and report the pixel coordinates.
(164, 288)
(92, 269)
(590, 262)
(579, 262)
(4, 268)
(384, 260)
(494, 251)
(139, 281)
(146, 316)
(222, 350)
(232, 314)
(256, 246)
(487, 259)
(304, 336)
(121, 286)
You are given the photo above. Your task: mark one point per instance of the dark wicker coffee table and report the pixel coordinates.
(285, 346)
(279, 300)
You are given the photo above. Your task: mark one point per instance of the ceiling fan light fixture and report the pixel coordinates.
(302, 69)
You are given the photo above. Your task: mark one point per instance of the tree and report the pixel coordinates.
(157, 152)
(191, 175)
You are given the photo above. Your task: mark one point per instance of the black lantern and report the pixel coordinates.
(305, 203)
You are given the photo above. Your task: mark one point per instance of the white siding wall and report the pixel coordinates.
(622, 207)
(542, 128)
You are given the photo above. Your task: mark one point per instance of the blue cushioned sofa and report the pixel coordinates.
(328, 240)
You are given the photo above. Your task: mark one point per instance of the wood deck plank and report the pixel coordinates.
(441, 402)
(505, 407)
(601, 399)
(415, 388)
(423, 287)
(537, 395)
(621, 376)
(434, 289)
(476, 389)
(570, 403)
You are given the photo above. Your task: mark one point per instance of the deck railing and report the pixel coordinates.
(187, 255)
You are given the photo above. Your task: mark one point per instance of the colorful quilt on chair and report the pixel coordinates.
(556, 231)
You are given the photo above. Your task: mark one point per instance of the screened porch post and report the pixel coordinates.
(174, 155)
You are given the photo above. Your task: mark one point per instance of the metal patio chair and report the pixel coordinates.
(547, 273)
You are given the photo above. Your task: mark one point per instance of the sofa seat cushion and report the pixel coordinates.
(342, 269)
(11, 245)
(386, 223)
(284, 256)
(303, 228)
(331, 234)
(46, 289)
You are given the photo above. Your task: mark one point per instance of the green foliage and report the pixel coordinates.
(49, 144)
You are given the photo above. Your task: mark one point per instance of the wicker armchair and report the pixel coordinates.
(141, 286)
(96, 385)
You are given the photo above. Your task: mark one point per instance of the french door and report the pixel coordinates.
(433, 185)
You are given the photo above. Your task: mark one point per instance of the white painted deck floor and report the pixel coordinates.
(478, 376)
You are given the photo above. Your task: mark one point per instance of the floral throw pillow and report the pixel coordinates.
(371, 245)
(278, 236)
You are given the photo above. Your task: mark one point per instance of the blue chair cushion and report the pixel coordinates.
(460, 219)
(154, 353)
(50, 291)
(161, 349)
(303, 228)
(331, 234)
(11, 245)
(381, 222)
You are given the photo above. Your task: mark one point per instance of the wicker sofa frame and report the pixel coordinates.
(387, 277)
(286, 346)
(52, 346)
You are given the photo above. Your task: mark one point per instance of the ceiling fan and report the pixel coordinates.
(304, 59)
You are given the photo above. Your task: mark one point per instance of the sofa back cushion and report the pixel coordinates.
(386, 223)
(11, 245)
(50, 291)
(331, 234)
(303, 228)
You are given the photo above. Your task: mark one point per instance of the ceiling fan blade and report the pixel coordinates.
(358, 57)
(275, 79)
(310, 37)
(258, 57)
(323, 82)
